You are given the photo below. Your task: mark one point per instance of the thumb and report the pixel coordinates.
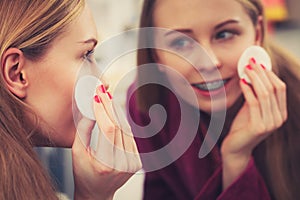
(84, 132)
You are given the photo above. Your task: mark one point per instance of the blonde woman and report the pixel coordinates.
(256, 155)
(42, 46)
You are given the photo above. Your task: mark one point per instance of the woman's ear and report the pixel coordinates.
(12, 65)
(259, 31)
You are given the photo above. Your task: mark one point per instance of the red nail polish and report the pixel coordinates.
(249, 67)
(97, 99)
(109, 95)
(253, 60)
(264, 68)
(103, 89)
(244, 81)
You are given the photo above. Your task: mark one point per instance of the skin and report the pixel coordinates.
(224, 35)
(51, 79)
(47, 84)
(224, 30)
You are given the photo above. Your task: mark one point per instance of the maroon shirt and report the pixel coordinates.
(188, 177)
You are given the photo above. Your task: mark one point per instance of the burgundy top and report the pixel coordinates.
(188, 177)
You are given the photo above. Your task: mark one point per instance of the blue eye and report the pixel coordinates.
(182, 43)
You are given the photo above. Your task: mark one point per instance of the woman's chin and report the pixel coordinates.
(213, 107)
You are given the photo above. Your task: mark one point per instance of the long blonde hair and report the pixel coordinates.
(31, 26)
(278, 157)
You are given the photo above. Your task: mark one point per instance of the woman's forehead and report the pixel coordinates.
(178, 12)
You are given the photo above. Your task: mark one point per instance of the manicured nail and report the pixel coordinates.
(97, 99)
(244, 81)
(103, 89)
(249, 67)
(109, 95)
(253, 60)
(264, 68)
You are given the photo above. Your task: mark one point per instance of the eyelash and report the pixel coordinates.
(88, 55)
(175, 43)
(232, 32)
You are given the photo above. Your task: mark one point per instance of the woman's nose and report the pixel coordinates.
(205, 60)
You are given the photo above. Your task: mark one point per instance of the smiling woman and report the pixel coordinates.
(255, 155)
(43, 44)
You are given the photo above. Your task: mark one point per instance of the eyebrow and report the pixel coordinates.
(231, 21)
(178, 30)
(92, 40)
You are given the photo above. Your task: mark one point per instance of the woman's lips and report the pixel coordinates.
(211, 88)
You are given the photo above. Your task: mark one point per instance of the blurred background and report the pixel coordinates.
(113, 17)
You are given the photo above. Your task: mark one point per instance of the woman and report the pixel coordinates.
(42, 47)
(255, 155)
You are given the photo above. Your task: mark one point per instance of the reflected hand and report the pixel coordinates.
(264, 111)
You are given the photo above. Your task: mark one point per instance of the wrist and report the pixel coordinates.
(233, 166)
(235, 156)
(236, 162)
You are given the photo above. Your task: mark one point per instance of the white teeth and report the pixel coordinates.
(211, 85)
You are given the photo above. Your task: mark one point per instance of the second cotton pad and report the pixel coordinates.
(259, 54)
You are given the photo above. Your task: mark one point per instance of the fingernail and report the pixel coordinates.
(103, 89)
(97, 99)
(249, 67)
(244, 81)
(109, 95)
(253, 60)
(263, 66)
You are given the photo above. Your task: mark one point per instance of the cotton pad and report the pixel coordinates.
(84, 93)
(259, 54)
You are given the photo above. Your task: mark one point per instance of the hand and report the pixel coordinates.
(99, 173)
(264, 111)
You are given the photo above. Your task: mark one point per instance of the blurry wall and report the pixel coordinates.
(293, 7)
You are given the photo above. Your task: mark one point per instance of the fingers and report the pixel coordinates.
(268, 95)
(281, 94)
(116, 147)
(128, 141)
(261, 86)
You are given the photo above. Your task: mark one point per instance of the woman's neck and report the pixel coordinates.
(224, 118)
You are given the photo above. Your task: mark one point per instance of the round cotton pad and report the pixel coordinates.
(259, 54)
(85, 91)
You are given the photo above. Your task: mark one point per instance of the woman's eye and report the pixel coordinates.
(224, 35)
(88, 55)
(181, 43)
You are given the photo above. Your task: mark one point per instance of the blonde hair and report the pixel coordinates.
(31, 26)
(277, 158)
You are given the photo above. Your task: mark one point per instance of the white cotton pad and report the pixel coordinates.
(85, 91)
(259, 54)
